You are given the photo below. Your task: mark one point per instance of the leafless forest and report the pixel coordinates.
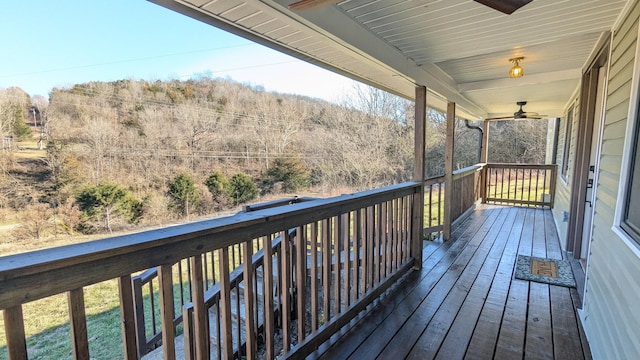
(127, 154)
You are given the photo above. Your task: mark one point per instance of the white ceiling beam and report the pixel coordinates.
(542, 78)
(331, 22)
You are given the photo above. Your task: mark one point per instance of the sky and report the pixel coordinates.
(59, 43)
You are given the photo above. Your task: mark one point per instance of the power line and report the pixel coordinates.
(126, 60)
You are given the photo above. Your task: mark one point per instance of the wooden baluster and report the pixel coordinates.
(398, 226)
(167, 311)
(386, 244)
(429, 224)
(225, 302)
(267, 280)
(78, 323)
(440, 205)
(406, 228)
(337, 225)
(502, 185)
(188, 334)
(180, 283)
(154, 327)
(314, 275)
(249, 304)
(522, 186)
(128, 317)
(377, 260)
(553, 176)
(346, 265)
(141, 337)
(205, 273)
(213, 268)
(14, 330)
(509, 185)
(200, 328)
(301, 278)
(326, 269)
(544, 182)
(368, 250)
(286, 290)
(393, 217)
(529, 189)
(359, 243)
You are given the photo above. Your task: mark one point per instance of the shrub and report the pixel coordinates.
(291, 172)
(107, 201)
(183, 194)
(34, 222)
(218, 185)
(242, 189)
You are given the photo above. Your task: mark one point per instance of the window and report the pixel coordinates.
(567, 144)
(631, 210)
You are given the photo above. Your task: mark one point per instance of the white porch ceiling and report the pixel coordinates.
(459, 49)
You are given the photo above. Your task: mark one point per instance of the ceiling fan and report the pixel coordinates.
(520, 114)
(505, 6)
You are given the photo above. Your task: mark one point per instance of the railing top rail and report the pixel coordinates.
(276, 203)
(521, 166)
(466, 171)
(433, 180)
(34, 275)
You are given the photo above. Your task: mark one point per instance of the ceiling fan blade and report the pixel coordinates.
(533, 117)
(500, 118)
(311, 4)
(505, 6)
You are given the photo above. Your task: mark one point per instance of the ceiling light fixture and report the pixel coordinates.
(516, 70)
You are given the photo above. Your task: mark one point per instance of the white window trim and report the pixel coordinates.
(568, 135)
(633, 117)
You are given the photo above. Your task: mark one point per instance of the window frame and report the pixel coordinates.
(631, 176)
(633, 125)
(567, 143)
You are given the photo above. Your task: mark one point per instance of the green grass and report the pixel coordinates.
(525, 190)
(47, 323)
(437, 209)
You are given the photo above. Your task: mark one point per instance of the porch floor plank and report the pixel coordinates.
(464, 303)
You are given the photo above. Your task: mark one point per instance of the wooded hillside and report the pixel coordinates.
(132, 153)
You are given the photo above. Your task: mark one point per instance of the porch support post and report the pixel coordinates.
(484, 156)
(448, 170)
(485, 142)
(418, 175)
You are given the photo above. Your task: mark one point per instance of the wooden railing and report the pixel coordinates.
(467, 189)
(467, 186)
(148, 328)
(339, 255)
(514, 184)
(520, 184)
(433, 206)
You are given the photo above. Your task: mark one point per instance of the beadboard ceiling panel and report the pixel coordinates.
(459, 49)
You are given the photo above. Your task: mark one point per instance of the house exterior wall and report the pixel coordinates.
(563, 184)
(611, 307)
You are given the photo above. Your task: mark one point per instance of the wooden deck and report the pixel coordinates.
(465, 303)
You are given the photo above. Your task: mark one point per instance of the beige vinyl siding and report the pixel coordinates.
(611, 309)
(563, 185)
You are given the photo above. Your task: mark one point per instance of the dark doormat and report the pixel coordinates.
(548, 271)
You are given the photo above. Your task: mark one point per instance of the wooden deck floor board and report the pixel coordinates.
(401, 343)
(431, 292)
(465, 302)
(485, 335)
(539, 340)
(566, 336)
(455, 344)
(434, 265)
(473, 283)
